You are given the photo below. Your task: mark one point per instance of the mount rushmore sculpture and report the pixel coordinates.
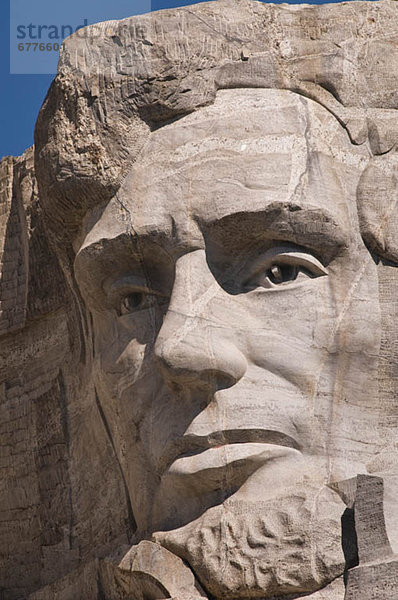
(199, 311)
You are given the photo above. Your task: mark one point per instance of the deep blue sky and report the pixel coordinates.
(22, 95)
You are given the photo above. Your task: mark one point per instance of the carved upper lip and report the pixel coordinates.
(191, 444)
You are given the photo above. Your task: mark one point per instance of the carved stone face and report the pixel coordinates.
(235, 338)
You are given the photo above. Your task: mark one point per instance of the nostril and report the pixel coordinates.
(197, 356)
(201, 371)
(220, 380)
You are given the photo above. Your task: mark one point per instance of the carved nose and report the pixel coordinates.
(198, 357)
(192, 348)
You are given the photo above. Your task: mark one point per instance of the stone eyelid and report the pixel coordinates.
(284, 255)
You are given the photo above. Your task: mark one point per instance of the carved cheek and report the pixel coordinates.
(354, 300)
(280, 328)
(118, 355)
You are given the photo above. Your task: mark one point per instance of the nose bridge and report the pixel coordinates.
(191, 346)
(194, 283)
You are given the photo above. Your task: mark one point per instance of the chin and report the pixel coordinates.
(290, 544)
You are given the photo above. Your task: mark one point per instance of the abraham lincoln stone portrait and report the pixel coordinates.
(199, 308)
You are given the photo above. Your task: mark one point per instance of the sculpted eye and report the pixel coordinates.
(281, 273)
(137, 301)
(132, 302)
(284, 265)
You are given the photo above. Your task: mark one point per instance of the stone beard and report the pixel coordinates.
(236, 334)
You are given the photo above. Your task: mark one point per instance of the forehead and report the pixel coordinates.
(249, 150)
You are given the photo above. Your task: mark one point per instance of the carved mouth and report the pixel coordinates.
(192, 445)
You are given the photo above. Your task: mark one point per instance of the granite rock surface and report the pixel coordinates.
(198, 311)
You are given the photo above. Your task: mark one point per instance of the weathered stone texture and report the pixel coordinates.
(14, 268)
(207, 431)
(155, 67)
(39, 515)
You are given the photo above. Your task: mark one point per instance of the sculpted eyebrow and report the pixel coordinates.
(105, 252)
(307, 226)
(108, 256)
(125, 253)
(108, 251)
